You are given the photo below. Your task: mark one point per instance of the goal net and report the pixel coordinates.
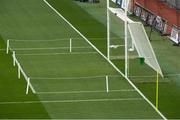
(138, 43)
(117, 35)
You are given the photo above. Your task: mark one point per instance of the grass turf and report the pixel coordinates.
(44, 24)
(166, 53)
(38, 29)
(12, 89)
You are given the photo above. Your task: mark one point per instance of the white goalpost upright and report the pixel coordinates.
(126, 35)
(126, 39)
(108, 32)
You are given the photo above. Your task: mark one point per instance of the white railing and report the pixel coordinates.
(21, 71)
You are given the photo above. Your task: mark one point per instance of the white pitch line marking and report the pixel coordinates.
(69, 78)
(78, 92)
(50, 48)
(44, 54)
(73, 101)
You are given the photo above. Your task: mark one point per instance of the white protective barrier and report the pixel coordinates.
(70, 47)
(7, 48)
(21, 71)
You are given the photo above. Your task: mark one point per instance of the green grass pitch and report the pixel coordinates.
(73, 84)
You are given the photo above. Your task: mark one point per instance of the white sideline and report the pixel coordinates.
(106, 59)
(73, 101)
(44, 54)
(78, 92)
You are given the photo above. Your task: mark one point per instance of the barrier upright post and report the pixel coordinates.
(7, 48)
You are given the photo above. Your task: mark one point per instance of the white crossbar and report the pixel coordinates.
(120, 14)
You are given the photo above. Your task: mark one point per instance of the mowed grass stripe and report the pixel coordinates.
(78, 92)
(12, 89)
(110, 62)
(35, 69)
